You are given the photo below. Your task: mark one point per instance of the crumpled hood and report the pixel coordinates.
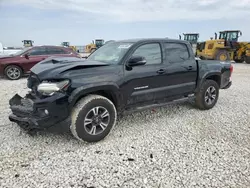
(54, 66)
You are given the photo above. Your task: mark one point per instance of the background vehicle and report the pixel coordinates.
(247, 58)
(89, 48)
(15, 65)
(225, 48)
(192, 38)
(86, 95)
(5, 51)
(67, 44)
(28, 43)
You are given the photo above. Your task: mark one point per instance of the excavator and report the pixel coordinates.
(192, 38)
(225, 47)
(27, 43)
(90, 48)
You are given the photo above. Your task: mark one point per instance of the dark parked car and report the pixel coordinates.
(15, 65)
(86, 96)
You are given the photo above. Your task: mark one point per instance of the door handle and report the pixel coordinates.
(161, 71)
(190, 68)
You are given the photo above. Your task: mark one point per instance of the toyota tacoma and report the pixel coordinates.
(85, 96)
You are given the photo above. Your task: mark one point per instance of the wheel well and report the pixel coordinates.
(216, 78)
(14, 65)
(105, 93)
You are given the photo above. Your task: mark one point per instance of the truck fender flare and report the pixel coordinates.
(204, 77)
(91, 88)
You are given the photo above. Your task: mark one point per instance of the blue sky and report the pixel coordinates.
(81, 21)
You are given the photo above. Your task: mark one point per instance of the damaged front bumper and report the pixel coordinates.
(32, 112)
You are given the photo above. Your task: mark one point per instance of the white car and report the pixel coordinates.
(5, 51)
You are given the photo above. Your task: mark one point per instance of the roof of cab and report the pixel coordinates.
(151, 39)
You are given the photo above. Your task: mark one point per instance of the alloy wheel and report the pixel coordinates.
(13, 73)
(96, 120)
(210, 95)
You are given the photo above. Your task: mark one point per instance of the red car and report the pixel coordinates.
(15, 65)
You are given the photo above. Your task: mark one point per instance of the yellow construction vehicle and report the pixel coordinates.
(247, 57)
(192, 38)
(90, 48)
(225, 48)
(67, 44)
(27, 43)
(243, 52)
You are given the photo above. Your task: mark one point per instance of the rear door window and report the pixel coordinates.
(176, 52)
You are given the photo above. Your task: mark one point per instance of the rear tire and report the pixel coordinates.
(13, 72)
(222, 55)
(208, 95)
(239, 60)
(93, 118)
(247, 60)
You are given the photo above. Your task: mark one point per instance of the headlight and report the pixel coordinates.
(49, 88)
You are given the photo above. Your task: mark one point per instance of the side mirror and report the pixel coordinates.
(136, 61)
(26, 56)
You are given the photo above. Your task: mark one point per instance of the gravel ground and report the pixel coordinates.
(174, 146)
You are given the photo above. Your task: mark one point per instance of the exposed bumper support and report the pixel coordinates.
(33, 113)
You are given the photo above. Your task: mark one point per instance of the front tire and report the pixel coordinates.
(208, 95)
(13, 72)
(93, 118)
(222, 55)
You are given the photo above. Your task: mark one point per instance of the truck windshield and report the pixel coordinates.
(222, 35)
(111, 53)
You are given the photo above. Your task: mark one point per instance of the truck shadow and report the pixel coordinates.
(141, 117)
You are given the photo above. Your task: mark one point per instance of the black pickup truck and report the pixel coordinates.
(85, 96)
